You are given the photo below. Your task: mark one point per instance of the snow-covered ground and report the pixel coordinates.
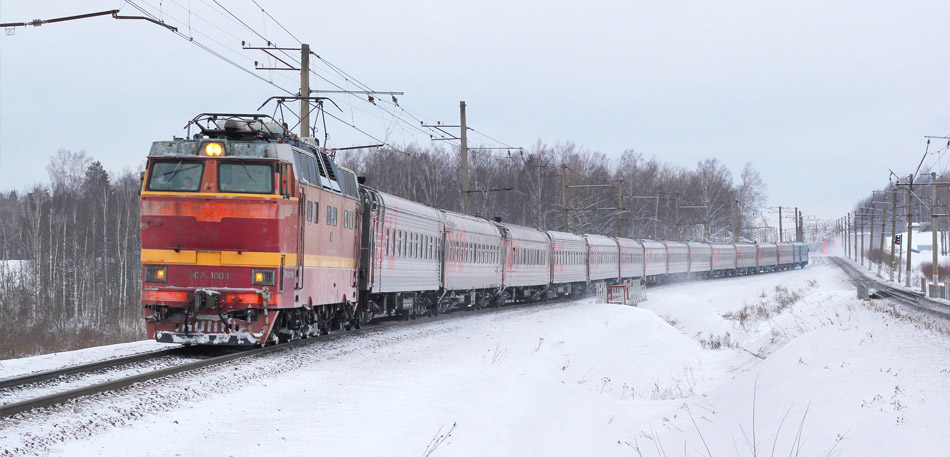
(732, 364)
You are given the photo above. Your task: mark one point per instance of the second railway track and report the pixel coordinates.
(882, 290)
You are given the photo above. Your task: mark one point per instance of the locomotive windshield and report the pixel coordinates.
(178, 176)
(241, 177)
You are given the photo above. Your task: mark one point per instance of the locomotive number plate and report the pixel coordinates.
(214, 275)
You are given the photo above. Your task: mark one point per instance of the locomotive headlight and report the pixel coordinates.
(263, 277)
(155, 274)
(214, 150)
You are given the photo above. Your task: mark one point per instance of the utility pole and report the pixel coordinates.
(464, 153)
(801, 227)
(304, 90)
(880, 251)
(893, 231)
(855, 250)
(735, 217)
(933, 226)
(780, 235)
(847, 236)
(619, 207)
(910, 227)
(864, 221)
(676, 217)
(564, 196)
(796, 223)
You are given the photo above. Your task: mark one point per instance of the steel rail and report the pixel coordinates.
(914, 299)
(31, 378)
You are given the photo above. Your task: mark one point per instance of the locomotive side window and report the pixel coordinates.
(309, 211)
(243, 177)
(177, 176)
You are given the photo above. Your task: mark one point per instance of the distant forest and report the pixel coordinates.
(70, 271)
(525, 188)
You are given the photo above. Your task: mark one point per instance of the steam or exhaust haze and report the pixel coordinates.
(821, 97)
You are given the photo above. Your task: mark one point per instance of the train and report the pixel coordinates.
(253, 236)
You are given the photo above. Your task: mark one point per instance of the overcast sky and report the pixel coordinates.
(821, 97)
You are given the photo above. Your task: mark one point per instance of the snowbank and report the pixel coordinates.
(570, 379)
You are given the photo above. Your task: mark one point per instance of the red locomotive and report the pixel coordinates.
(249, 235)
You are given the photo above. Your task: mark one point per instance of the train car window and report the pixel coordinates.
(302, 168)
(309, 211)
(178, 176)
(246, 177)
(316, 212)
(348, 183)
(400, 244)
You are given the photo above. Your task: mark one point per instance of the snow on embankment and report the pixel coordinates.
(840, 375)
(570, 379)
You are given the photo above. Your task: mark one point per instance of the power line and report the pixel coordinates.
(206, 48)
(276, 22)
(393, 118)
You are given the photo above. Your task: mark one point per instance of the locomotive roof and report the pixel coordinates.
(182, 148)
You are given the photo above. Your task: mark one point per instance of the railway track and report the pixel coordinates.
(52, 399)
(33, 378)
(11, 409)
(881, 290)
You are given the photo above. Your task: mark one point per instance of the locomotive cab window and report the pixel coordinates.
(246, 178)
(175, 176)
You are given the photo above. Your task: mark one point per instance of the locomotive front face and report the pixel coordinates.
(218, 241)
